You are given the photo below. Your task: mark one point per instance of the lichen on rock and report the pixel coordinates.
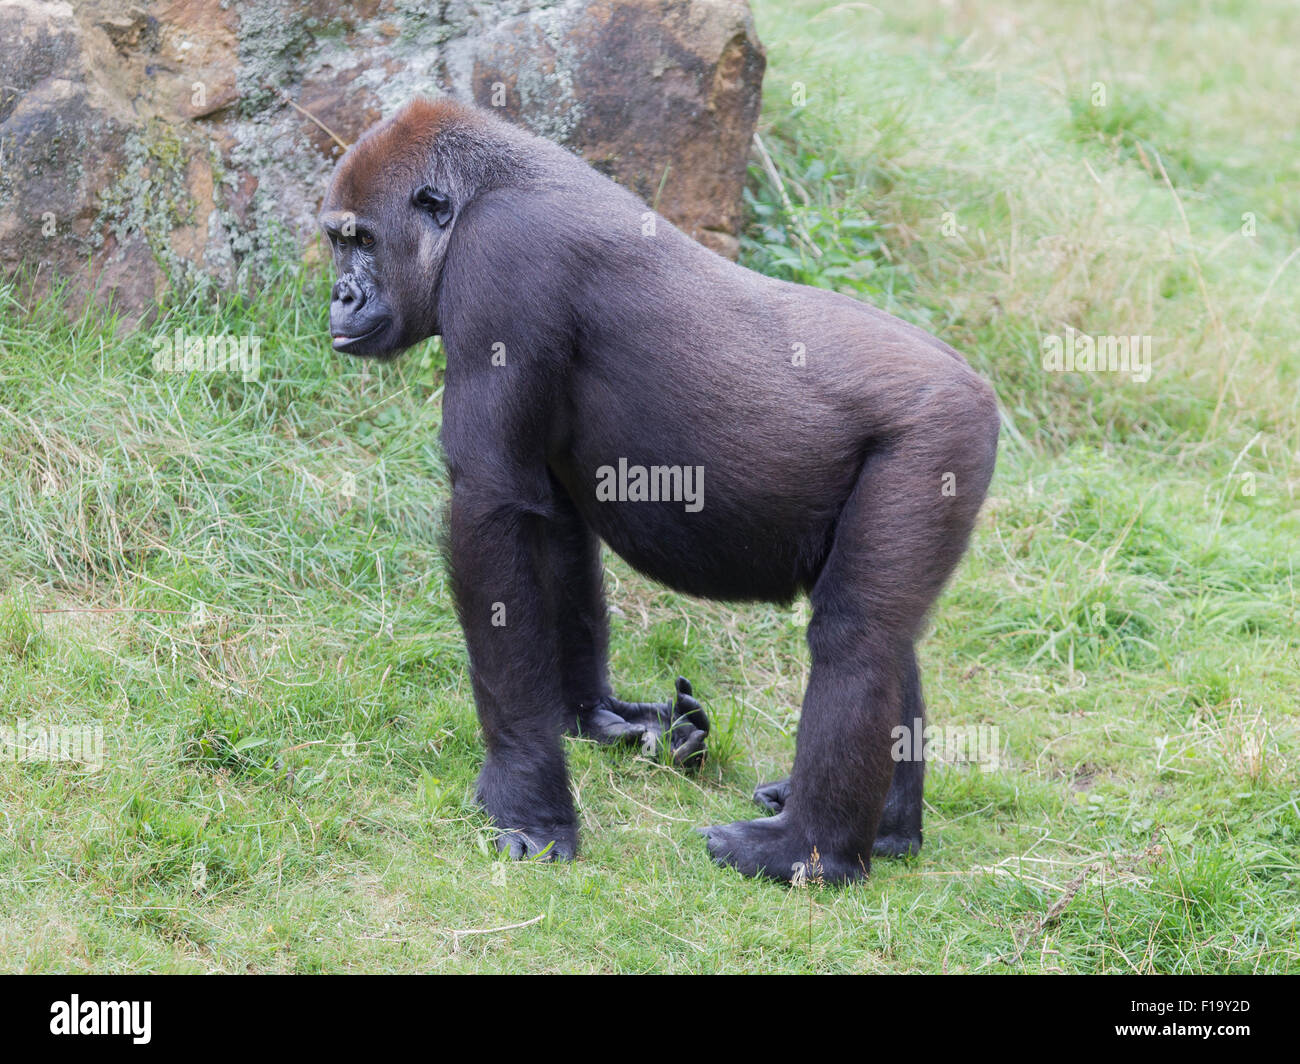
(187, 147)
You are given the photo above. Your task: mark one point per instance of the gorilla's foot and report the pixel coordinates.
(526, 793)
(680, 726)
(544, 843)
(773, 795)
(896, 845)
(892, 841)
(773, 847)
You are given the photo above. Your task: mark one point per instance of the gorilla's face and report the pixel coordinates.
(388, 251)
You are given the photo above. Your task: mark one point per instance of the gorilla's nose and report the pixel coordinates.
(349, 294)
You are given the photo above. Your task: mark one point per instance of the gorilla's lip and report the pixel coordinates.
(343, 343)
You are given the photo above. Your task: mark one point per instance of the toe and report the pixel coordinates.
(535, 845)
(512, 846)
(771, 796)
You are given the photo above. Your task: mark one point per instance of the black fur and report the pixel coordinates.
(576, 336)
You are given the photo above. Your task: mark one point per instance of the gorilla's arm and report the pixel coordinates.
(525, 570)
(497, 533)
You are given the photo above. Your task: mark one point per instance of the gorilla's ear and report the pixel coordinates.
(438, 204)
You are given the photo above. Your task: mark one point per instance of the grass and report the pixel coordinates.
(241, 584)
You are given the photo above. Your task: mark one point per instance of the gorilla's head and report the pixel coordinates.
(390, 212)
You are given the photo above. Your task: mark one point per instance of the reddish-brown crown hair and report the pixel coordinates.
(402, 144)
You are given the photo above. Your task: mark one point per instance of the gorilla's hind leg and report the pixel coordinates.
(899, 536)
(899, 834)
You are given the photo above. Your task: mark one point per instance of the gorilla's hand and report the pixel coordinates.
(681, 725)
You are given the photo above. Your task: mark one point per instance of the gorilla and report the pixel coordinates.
(730, 435)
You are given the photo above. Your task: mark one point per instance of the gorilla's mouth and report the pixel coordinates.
(356, 345)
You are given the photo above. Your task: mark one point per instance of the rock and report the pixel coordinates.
(662, 97)
(62, 139)
(148, 146)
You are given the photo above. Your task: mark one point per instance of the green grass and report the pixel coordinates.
(241, 583)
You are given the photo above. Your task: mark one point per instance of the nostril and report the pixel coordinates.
(347, 292)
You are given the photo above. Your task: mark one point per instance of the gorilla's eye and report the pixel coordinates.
(366, 240)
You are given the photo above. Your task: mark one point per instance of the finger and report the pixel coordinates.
(602, 723)
(694, 714)
(688, 708)
(649, 714)
(622, 732)
(691, 751)
(684, 727)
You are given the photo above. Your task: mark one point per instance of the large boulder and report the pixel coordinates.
(150, 146)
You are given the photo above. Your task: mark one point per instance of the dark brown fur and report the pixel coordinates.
(824, 474)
